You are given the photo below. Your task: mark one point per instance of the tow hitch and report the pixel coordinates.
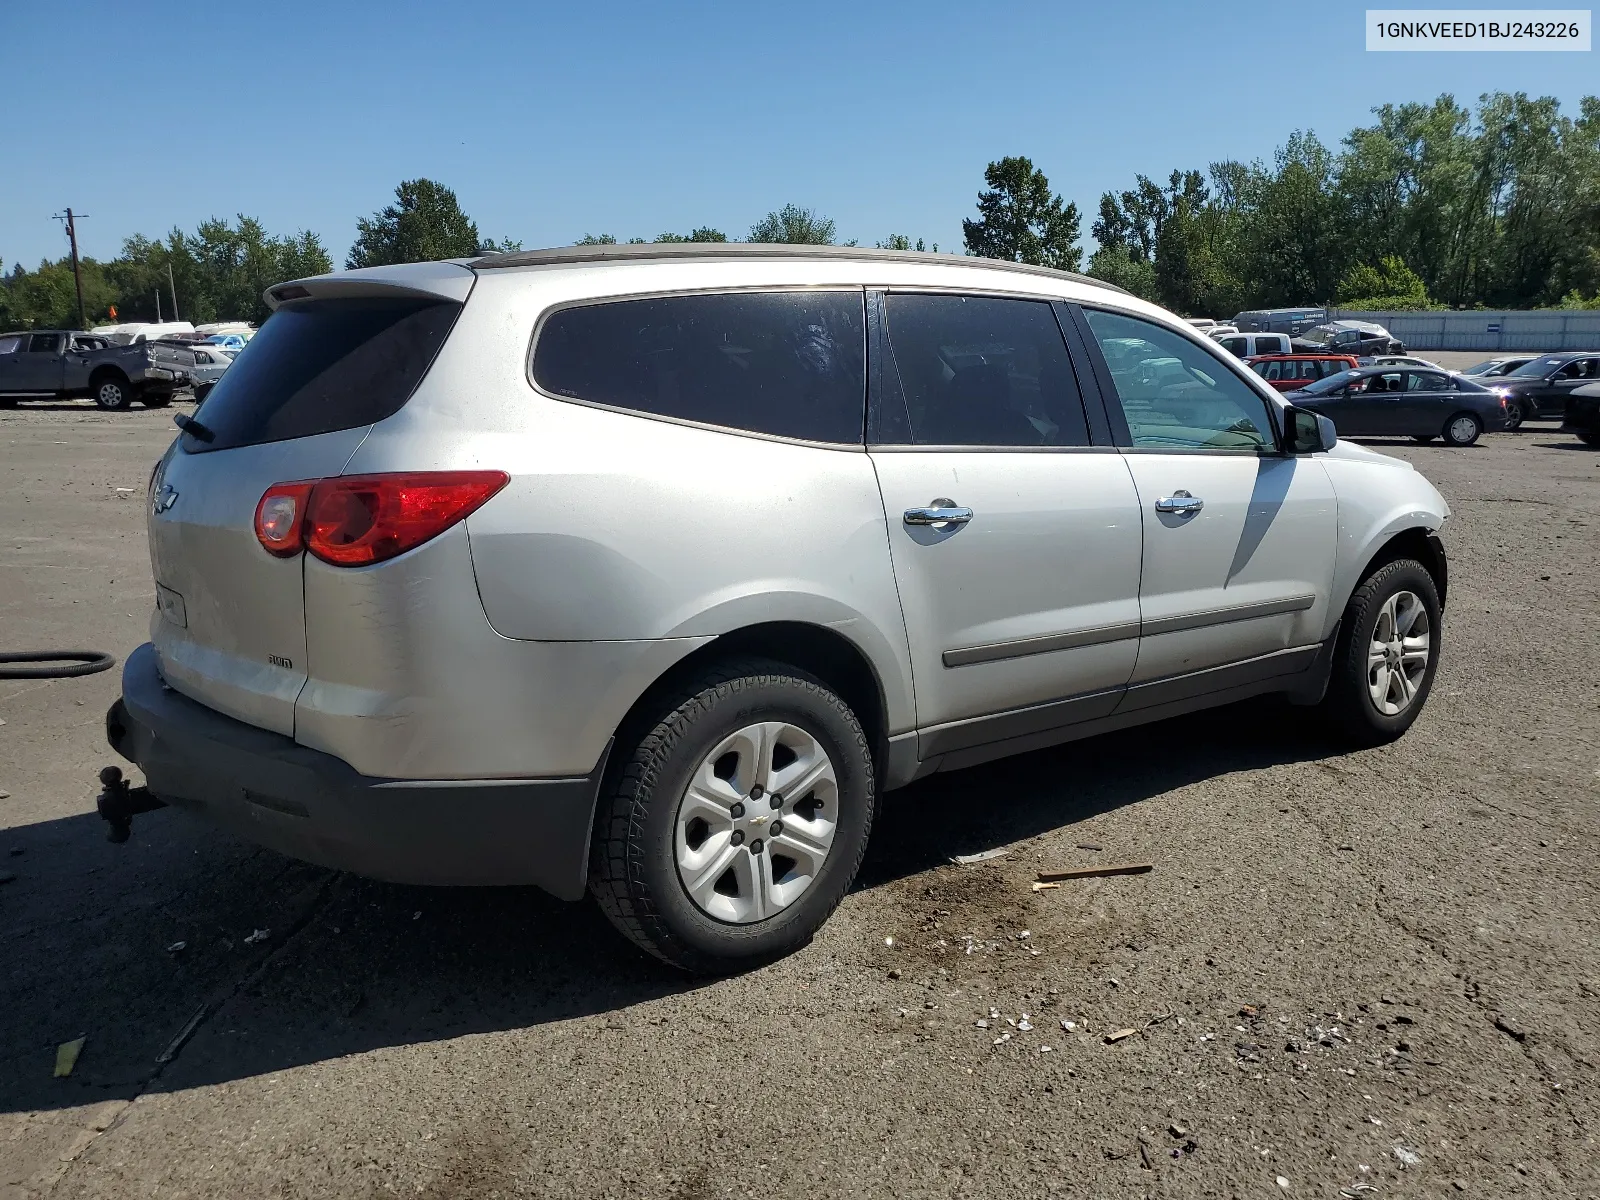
(119, 804)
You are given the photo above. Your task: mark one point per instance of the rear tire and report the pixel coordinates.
(1392, 617)
(1462, 429)
(113, 393)
(657, 865)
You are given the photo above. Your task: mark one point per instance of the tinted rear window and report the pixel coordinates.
(791, 364)
(324, 365)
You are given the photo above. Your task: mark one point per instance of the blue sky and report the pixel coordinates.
(551, 121)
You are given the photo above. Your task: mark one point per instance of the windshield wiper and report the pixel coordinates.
(193, 428)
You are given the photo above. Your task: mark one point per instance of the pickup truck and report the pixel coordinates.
(64, 364)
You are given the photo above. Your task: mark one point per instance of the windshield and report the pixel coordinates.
(1539, 366)
(1331, 384)
(1321, 335)
(1480, 369)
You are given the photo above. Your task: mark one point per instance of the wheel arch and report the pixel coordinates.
(101, 373)
(818, 650)
(1414, 541)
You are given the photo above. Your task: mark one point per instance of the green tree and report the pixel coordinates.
(1118, 266)
(1389, 285)
(424, 224)
(703, 234)
(1021, 220)
(794, 225)
(899, 241)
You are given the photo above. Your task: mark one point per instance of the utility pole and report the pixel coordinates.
(173, 288)
(77, 276)
(158, 306)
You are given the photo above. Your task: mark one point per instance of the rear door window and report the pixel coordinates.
(978, 371)
(323, 365)
(789, 364)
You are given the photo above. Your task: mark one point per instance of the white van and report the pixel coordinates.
(1248, 345)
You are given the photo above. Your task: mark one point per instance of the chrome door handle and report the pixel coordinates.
(943, 511)
(1180, 502)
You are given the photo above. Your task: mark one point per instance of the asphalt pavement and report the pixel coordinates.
(1377, 970)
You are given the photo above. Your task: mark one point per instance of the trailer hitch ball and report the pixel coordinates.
(118, 803)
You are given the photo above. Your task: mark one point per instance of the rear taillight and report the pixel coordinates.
(354, 520)
(280, 515)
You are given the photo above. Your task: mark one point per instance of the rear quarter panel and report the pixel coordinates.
(617, 527)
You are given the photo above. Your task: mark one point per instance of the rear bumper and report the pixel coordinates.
(269, 789)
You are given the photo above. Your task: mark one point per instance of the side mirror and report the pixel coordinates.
(1308, 432)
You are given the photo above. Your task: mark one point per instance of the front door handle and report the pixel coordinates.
(1180, 502)
(943, 511)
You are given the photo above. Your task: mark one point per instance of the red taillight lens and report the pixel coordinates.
(355, 520)
(280, 517)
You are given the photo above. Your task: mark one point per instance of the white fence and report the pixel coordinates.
(1483, 330)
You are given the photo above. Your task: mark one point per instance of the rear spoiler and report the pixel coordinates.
(443, 280)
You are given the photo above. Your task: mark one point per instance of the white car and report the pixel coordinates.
(645, 570)
(1406, 360)
(1248, 345)
(210, 361)
(1203, 324)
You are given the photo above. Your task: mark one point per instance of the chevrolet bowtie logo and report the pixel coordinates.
(761, 820)
(164, 499)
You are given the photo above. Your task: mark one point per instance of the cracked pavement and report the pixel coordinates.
(1374, 970)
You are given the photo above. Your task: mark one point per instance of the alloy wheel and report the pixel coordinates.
(1397, 656)
(756, 822)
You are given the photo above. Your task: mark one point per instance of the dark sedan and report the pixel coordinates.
(1582, 415)
(1404, 401)
(1361, 339)
(1541, 387)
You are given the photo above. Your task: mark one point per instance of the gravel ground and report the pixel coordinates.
(1346, 971)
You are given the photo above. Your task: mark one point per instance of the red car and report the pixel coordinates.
(1288, 372)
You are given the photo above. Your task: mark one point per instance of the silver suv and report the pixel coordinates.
(645, 570)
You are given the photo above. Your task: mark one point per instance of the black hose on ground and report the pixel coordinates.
(67, 664)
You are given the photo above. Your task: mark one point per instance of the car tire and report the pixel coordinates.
(1365, 702)
(1515, 416)
(113, 393)
(1589, 437)
(1463, 429)
(688, 875)
(156, 401)
(202, 391)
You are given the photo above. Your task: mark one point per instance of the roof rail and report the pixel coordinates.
(651, 251)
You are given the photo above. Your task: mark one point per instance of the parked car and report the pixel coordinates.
(1493, 368)
(1540, 387)
(233, 342)
(1290, 372)
(1582, 414)
(1404, 360)
(1364, 339)
(1250, 345)
(1293, 321)
(1203, 324)
(210, 361)
(674, 664)
(62, 364)
(1396, 401)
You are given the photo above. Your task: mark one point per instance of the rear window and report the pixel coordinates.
(790, 364)
(324, 365)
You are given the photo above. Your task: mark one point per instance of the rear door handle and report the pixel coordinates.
(1180, 502)
(943, 511)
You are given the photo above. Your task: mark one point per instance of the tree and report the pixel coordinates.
(1021, 220)
(703, 234)
(1117, 265)
(899, 241)
(423, 225)
(794, 225)
(1388, 286)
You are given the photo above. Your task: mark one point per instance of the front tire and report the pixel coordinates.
(1386, 656)
(1515, 416)
(732, 827)
(113, 393)
(1462, 429)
